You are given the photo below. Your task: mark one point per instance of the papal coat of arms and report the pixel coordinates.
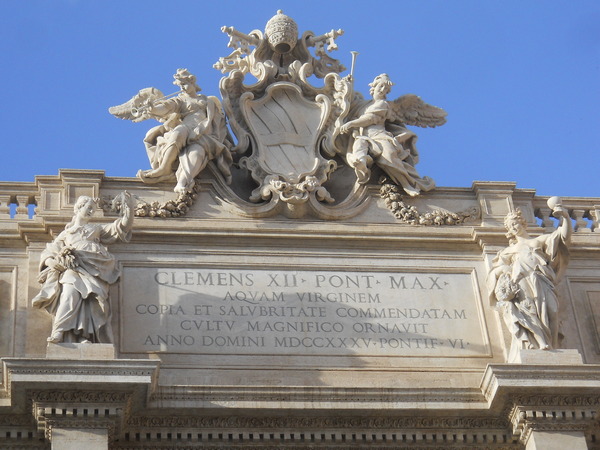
(291, 136)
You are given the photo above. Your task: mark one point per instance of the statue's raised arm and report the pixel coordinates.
(137, 109)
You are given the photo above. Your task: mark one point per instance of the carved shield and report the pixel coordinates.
(285, 128)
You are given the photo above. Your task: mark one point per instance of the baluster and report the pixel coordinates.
(581, 225)
(595, 216)
(544, 214)
(34, 201)
(22, 209)
(5, 206)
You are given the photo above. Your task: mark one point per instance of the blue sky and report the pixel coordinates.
(520, 80)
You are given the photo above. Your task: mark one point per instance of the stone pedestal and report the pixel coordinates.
(552, 357)
(76, 439)
(80, 351)
(556, 440)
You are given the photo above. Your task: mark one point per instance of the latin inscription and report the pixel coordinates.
(302, 312)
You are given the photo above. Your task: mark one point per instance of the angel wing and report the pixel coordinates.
(411, 110)
(134, 108)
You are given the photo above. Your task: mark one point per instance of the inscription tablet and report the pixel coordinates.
(276, 312)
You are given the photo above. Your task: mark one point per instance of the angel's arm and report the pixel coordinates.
(163, 109)
(363, 121)
(136, 109)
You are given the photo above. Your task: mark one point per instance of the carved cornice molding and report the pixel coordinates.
(67, 418)
(337, 432)
(583, 401)
(13, 366)
(345, 445)
(13, 420)
(82, 390)
(509, 380)
(330, 422)
(83, 397)
(81, 410)
(570, 414)
(32, 370)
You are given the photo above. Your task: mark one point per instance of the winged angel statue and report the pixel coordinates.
(380, 136)
(192, 132)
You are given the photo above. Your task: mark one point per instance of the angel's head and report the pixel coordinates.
(381, 86)
(186, 81)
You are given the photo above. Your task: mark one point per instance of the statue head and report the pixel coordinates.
(282, 33)
(85, 206)
(184, 77)
(515, 224)
(382, 83)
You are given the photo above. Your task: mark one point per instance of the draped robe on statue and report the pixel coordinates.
(533, 266)
(78, 297)
(392, 147)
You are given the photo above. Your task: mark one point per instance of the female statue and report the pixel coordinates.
(77, 271)
(523, 281)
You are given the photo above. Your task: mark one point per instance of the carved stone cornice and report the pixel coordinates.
(506, 381)
(310, 445)
(80, 416)
(553, 413)
(319, 422)
(80, 410)
(544, 397)
(81, 394)
(320, 432)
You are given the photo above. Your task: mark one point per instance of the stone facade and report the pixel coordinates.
(299, 286)
(417, 363)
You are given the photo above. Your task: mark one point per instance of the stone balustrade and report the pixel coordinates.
(585, 213)
(16, 200)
